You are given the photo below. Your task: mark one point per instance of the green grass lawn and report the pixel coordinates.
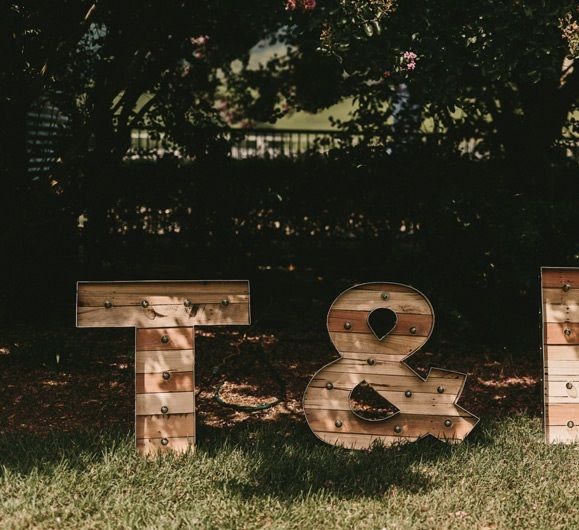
(277, 475)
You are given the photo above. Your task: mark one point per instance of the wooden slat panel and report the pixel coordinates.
(556, 333)
(178, 382)
(412, 426)
(399, 346)
(359, 323)
(153, 446)
(177, 402)
(359, 441)
(558, 389)
(567, 369)
(557, 296)
(419, 403)
(343, 394)
(399, 302)
(163, 288)
(90, 299)
(172, 315)
(122, 300)
(158, 361)
(561, 312)
(381, 287)
(151, 339)
(561, 413)
(347, 366)
(348, 381)
(557, 277)
(562, 353)
(559, 434)
(169, 426)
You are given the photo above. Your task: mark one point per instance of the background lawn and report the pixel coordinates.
(277, 475)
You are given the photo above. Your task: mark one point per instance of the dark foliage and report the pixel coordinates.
(459, 231)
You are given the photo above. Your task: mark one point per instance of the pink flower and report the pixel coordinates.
(410, 59)
(304, 5)
(200, 40)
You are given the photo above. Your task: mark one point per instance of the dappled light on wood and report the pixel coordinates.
(375, 327)
(163, 315)
(560, 310)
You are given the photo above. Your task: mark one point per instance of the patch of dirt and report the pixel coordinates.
(84, 379)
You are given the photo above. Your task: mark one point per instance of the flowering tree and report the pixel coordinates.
(501, 71)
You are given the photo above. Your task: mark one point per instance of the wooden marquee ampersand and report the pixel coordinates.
(164, 315)
(426, 406)
(560, 294)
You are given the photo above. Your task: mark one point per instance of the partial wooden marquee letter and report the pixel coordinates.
(426, 406)
(163, 315)
(560, 293)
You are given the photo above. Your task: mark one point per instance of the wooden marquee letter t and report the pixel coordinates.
(164, 314)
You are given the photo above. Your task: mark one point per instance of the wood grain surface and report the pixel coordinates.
(156, 304)
(426, 406)
(560, 318)
(164, 315)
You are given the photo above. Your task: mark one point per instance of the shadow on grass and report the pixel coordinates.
(280, 459)
(290, 463)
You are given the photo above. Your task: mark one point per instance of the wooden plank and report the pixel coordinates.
(154, 446)
(90, 299)
(316, 398)
(343, 395)
(399, 302)
(561, 413)
(401, 383)
(568, 352)
(557, 277)
(152, 339)
(412, 425)
(148, 362)
(560, 434)
(557, 296)
(568, 369)
(398, 346)
(351, 366)
(559, 389)
(561, 333)
(168, 426)
(381, 287)
(176, 403)
(157, 316)
(359, 323)
(561, 312)
(163, 288)
(359, 441)
(155, 382)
